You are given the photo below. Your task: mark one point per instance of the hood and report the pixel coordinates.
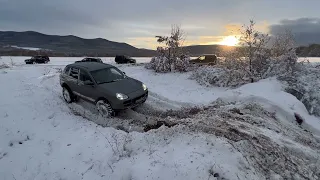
(124, 86)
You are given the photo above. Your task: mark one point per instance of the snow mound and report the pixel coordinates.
(4, 66)
(271, 143)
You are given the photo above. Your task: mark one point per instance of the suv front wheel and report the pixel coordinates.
(105, 108)
(67, 96)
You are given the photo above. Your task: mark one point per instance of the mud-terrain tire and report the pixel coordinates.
(105, 109)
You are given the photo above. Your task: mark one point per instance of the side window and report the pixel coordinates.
(66, 70)
(74, 72)
(84, 76)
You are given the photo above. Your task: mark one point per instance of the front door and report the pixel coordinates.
(86, 92)
(73, 79)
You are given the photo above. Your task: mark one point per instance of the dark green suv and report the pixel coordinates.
(104, 85)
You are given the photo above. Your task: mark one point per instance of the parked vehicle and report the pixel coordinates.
(124, 60)
(104, 85)
(205, 59)
(90, 59)
(37, 60)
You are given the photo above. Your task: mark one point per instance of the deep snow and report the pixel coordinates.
(42, 138)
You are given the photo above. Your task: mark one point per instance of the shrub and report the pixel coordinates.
(305, 85)
(170, 56)
(210, 75)
(260, 56)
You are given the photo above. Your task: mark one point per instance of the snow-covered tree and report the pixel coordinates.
(259, 56)
(170, 56)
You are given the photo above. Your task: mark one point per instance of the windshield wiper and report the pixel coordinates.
(110, 81)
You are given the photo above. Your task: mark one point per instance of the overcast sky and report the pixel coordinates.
(138, 21)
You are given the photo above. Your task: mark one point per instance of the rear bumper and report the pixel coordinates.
(131, 103)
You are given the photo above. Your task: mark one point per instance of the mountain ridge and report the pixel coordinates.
(67, 44)
(12, 43)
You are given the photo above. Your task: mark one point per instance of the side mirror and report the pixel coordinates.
(87, 82)
(124, 73)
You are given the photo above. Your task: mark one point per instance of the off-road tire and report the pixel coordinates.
(105, 109)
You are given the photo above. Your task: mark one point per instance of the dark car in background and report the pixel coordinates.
(91, 59)
(104, 85)
(37, 60)
(211, 59)
(124, 59)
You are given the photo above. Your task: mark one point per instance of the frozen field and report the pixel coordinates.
(244, 133)
(66, 60)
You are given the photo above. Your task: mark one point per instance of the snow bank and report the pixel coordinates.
(270, 93)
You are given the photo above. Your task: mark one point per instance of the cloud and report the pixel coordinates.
(120, 20)
(305, 30)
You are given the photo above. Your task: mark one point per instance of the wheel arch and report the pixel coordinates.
(66, 86)
(101, 98)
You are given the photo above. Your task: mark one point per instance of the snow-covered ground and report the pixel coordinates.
(41, 137)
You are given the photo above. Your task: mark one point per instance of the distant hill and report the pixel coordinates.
(30, 43)
(24, 42)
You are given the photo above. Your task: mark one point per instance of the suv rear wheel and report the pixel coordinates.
(104, 108)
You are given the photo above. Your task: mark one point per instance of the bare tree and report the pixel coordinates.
(170, 55)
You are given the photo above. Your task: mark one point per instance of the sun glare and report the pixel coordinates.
(230, 41)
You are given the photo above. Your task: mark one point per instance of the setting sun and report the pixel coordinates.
(230, 41)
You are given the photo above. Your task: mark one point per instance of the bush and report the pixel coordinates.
(210, 75)
(170, 57)
(260, 56)
(305, 85)
(163, 64)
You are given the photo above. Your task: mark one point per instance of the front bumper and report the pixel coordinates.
(131, 102)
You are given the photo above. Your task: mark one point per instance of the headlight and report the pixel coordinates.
(121, 96)
(144, 87)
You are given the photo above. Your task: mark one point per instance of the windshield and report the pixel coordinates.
(107, 75)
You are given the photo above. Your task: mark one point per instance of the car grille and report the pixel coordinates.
(136, 100)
